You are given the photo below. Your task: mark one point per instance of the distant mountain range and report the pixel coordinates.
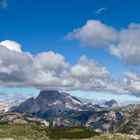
(62, 109)
(101, 102)
(56, 101)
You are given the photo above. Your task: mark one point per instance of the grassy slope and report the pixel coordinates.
(31, 132)
(22, 132)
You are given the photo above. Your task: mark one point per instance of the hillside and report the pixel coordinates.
(32, 132)
(16, 118)
(131, 119)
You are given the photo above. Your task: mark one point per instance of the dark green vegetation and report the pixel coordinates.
(71, 133)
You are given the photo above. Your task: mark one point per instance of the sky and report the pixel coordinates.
(89, 48)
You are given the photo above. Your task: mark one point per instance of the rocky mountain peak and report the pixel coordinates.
(50, 101)
(47, 93)
(111, 103)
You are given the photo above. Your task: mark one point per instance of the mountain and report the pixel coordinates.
(7, 106)
(62, 109)
(53, 102)
(50, 100)
(111, 104)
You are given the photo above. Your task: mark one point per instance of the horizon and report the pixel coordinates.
(88, 48)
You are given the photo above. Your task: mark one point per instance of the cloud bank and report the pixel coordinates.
(49, 70)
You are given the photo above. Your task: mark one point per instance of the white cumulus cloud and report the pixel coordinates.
(131, 83)
(128, 47)
(94, 33)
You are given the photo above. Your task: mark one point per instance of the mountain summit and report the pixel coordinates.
(50, 101)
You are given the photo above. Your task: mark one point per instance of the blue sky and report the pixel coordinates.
(42, 25)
